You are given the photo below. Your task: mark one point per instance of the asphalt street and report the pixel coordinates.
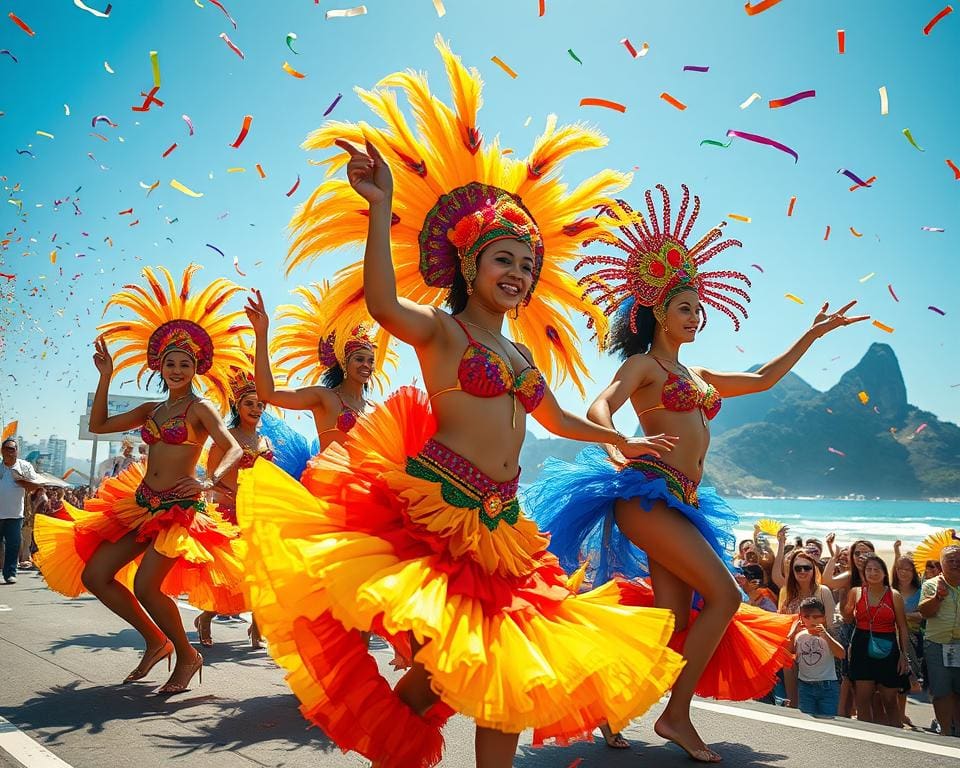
(61, 705)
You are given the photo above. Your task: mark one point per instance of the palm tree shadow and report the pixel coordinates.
(100, 641)
(660, 755)
(246, 723)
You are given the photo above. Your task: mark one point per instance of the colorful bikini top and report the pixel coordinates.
(174, 431)
(484, 373)
(681, 394)
(346, 419)
(250, 455)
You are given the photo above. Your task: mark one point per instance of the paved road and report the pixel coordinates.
(60, 661)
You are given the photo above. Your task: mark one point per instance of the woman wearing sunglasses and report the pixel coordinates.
(803, 580)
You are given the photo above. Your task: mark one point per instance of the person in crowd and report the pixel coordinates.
(879, 660)
(750, 580)
(17, 476)
(815, 649)
(940, 606)
(906, 581)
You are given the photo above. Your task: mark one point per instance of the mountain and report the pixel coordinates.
(797, 441)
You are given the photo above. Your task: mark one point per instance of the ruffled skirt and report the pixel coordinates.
(208, 568)
(397, 535)
(575, 504)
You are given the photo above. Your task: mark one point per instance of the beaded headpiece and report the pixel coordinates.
(242, 382)
(463, 223)
(453, 193)
(170, 318)
(306, 345)
(658, 264)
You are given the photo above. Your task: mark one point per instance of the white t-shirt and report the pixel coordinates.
(11, 494)
(814, 658)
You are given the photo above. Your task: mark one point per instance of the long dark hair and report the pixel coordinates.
(623, 341)
(914, 578)
(874, 558)
(456, 300)
(855, 580)
(332, 377)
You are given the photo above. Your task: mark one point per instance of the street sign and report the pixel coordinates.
(115, 404)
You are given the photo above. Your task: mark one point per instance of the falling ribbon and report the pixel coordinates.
(855, 233)
(864, 397)
(189, 122)
(884, 106)
(504, 66)
(225, 13)
(865, 184)
(84, 7)
(853, 177)
(882, 326)
(906, 132)
(953, 167)
(236, 266)
(229, 42)
(614, 105)
(841, 41)
(574, 56)
(738, 217)
(748, 102)
(936, 19)
(244, 130)
(834, 450)
(7, 51)
(44, 133)
(793, 202)
(715, 143)
(893, 293)
(170, 149)
(763, 5)
(106, 66)
(629, 46)
(793, 298)
(925, 229)
(294, 187)
(694, 68)
(291, 36)
(210, 245)
(186, 190)
(672, 101)
(438, 7)
(786, 101)
(291, 71)
(260, 170)
(868, 277)
(333, 105)
(21, 23)
(757, 267)
(936, 309)
(155, 64)
(346, 13)
(98, 118)
(767, 141)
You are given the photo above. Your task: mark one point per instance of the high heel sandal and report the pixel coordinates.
(148, 662)
(256, 639)
(169, 688)
(206, 640)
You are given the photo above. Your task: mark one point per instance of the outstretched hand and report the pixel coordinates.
(102, 358)
(825, 322)
(257, 313)
(368, 172)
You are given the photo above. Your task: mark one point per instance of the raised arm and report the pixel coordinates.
(777, 574)
(413, 323)
(733, 384)
(100, 422)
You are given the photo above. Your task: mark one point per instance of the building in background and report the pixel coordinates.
(57, 448)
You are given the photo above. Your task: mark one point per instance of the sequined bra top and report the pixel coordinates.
(346, 419)
(250, 455)
(681, 394)
(484, 373)
(174, 431)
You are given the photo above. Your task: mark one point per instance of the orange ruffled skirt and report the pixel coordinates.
(751, 652)
(383, 540)
(209, 557)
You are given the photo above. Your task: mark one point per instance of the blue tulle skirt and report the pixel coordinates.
(291, 450)
(574, 503)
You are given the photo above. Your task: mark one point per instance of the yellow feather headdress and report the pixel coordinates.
(310, 345)
(168, 319)
(445, 153)
(931, 547)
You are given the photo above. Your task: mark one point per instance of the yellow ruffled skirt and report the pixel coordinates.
(396, 535)
(208, 568)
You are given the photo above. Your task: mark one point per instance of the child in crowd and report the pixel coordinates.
(815, 649)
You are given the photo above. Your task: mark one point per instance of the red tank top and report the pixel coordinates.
(881, 615)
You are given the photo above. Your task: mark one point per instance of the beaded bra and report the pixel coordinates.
(174, 431)
(681, 395)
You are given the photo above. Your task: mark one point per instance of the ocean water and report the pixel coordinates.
(882, 522)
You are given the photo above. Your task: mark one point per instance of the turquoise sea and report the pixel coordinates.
(882, 522)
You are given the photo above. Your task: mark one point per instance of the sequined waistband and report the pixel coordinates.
(155, 500)
(679, 484)
(466, 486)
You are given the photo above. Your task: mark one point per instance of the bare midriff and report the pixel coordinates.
(694, 436)
(168, 463)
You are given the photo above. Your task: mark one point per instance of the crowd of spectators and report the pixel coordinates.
(865, 635)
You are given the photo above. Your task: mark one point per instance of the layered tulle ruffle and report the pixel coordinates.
(368, 546)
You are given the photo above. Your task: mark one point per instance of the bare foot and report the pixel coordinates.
(613, 740)
(684, 735)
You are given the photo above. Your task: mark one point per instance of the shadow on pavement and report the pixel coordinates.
(659, 755)
(101, 641)
(246, 723)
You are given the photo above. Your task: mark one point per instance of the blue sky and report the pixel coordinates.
(48, 319)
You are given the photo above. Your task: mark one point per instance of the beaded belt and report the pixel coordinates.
(465, 486)
(155, 501)
(679, 484)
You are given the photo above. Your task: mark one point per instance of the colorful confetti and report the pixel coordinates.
(291, 71)
(892, 292)
(853, 177)
(882, 326)
(84, 7)
(953, 167)
(855, 233)
(906, 132)
(841, 41)
(542, 9)
(864, 397)
(21, 23)
(925, 229)
(868, 277)
(98, 118)
(738, 217)
(291, 36)
(346, 13)
(935, 20)
(920, 429)
(715, 143)
(333, 105)
(236, 266)
(106, 66)
(260, 170)
(937, 310)
(210, 245)
(170, 149)
(763, 5)
(672, 101)
(865, 185)
(884, 105)
(225, 12)
(757, 267)
(155, 65)
(748, 102)
(793, 298)
(764, 140)
(694, 68)
(45, 133)
(614, 105)
(189, 122)
(504, 66)
(629, 46)
(788, 100)
(793, 202)
(294, 187)
(834, 450)
(7, 51)
(438, 7)
(574, 56)
(244, 130)
(186, 190)
(231, 46)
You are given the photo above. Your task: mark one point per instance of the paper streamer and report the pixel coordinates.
(936, 309)
(629, 46)
(84, 7)
(855, 233)
(333, 105)
(953, 167)
(757, 267)
(231, 46)
(788, 100)
(925, 229)
(170, 149)
(693, 68)
(853, 177)
(189, 122)
(882, 326)
(441, 11)
(936, 19)
(672, 101)
(260, 170)
(7, 51)
(291, 36)
(715, 143)
(834, 450)
(291, 71)
(793, 298)
(543, 8)
(906, 132)
(863, 397)
(225, 13)
(841, 41)
(644, 50)
(606, 103)
(865, 185)
(793, 202)
(868, 277)
(222, 254)
(44, 133)
(884, 104)
(155, 63)
(574, 56)
(244, 130)
(346, 13)
(236, 266)
(893, 293)
(738, 217)
(186, 190)
(98, 118)
(504, 66)
(748, 102)
(764, 5)
(826, 235)
(765, 140)
(21, 23)
(106, 66)
(294, 187)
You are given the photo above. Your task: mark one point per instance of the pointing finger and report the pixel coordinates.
(347, 147)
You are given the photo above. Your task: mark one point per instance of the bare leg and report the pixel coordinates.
(98, 577)
(863, 691)
(944, 709)
(790, 682)
(613, 740)
(153, 569)
(672, 541)
(891, 706)
(846, 708)
(202, 623)
(495, 749)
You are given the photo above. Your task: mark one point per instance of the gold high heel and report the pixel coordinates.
(206, 640)
(149, 662)
(169, 688)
